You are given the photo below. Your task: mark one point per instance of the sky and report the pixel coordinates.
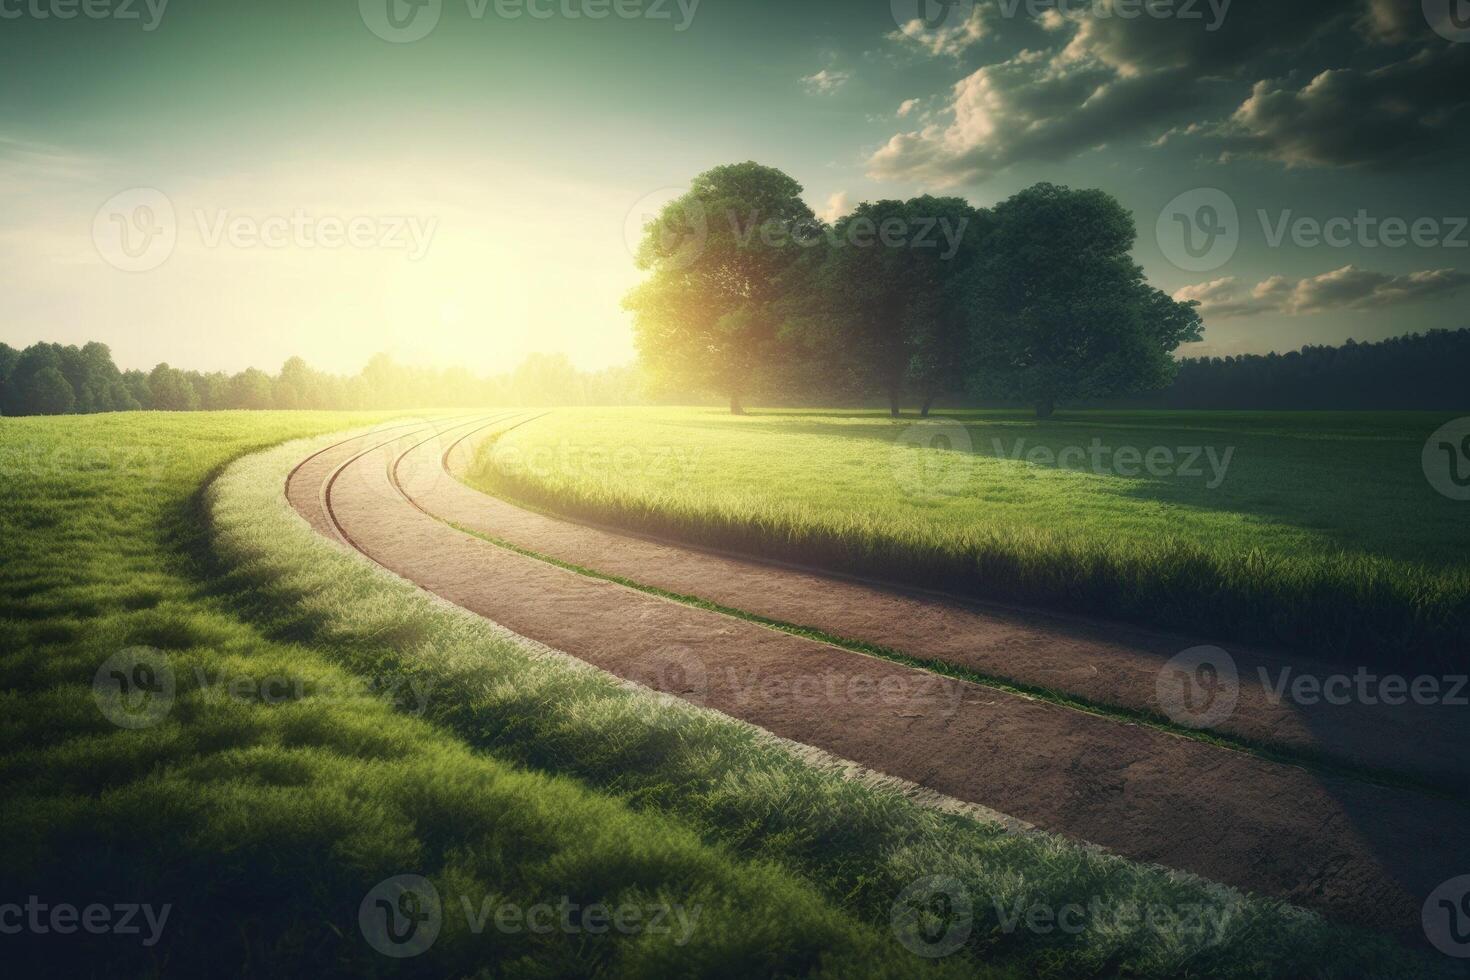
(457, 182)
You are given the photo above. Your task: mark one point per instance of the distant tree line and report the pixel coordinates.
(1418, 371)
(1038, 299)
(52, 379)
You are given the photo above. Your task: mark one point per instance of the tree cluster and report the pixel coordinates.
(52, 379)
(1037, 299)
(1417, 371)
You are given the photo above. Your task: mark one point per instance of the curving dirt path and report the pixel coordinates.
(1359, 852)
(1106, 664)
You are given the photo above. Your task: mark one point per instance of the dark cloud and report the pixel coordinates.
(1399, 114)
(1386, 91)
(1220, 39)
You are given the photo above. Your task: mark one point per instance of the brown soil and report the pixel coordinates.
(1359, 852)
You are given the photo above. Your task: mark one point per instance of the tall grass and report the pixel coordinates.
(1321, 534)
(859, 842)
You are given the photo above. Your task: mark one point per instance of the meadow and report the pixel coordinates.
(331, 726)
(1311, 531)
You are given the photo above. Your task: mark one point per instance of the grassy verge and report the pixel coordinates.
(1312, 531)
(867, 849)
(242, 815)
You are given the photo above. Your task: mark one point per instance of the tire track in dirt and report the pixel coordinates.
(1356, 851)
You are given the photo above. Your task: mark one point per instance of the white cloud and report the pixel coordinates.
(907, 106)
(837, 206)
(826, 81)
(949, 41)
(1031, 107)
(1348, 288)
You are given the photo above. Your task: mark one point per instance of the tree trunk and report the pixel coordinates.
(893, 404)
(735, 407)
(928, 404)
(1045, 408)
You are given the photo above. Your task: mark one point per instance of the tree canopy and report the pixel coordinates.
(719, 258)
(1037, 299)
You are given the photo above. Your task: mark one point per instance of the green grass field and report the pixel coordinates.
(278, 788)
(1313, 531)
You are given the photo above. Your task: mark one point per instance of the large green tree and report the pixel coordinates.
(1060, 309)
(709, 315)
(893, 281)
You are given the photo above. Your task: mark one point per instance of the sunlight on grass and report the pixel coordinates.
(1310, 530)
